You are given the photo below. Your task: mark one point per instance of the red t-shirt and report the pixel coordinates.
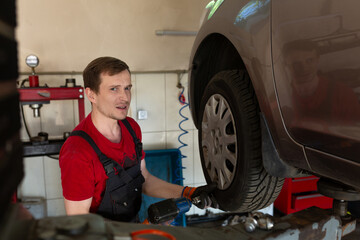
(82, 174)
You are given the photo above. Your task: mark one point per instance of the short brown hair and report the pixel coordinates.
(95, 68)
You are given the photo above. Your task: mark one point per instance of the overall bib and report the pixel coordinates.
(122, 197)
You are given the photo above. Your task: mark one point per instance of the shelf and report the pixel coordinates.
(51, 147)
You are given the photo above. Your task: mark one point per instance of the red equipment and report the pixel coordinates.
(301, 193)
(46, 94)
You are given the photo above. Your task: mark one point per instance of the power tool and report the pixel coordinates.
(168, 209)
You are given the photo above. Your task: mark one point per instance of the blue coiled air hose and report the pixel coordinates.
(184, 119)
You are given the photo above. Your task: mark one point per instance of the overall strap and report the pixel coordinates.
(138, 144)
(86, 136)
(107, 163)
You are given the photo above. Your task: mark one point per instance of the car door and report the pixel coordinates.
(316, 63)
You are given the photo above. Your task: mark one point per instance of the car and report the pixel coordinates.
(274, 89)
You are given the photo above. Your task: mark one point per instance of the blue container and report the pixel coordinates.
(166, 165)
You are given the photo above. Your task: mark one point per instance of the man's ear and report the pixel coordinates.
(91, 95)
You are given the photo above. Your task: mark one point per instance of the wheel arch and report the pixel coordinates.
(214, 54)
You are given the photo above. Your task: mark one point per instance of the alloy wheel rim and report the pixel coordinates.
(218, 141)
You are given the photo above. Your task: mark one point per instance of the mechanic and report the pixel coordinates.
(102, 163)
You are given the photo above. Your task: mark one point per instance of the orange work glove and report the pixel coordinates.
(202, 197)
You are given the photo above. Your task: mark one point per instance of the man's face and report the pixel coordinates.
(114, 96)
(303, 65)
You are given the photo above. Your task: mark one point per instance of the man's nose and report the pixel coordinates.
(123, 95)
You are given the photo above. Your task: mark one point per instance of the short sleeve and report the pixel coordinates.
(77, 169)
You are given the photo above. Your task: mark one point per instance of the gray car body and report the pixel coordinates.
(251, 35)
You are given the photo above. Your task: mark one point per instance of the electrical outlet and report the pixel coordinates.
(142, 114)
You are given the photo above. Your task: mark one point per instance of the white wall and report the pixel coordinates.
(68, 34)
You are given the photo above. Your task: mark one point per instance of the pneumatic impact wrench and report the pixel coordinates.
(168, 209)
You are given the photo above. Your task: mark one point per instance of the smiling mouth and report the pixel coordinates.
(122, 108)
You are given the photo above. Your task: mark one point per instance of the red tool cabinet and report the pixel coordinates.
(301, 193)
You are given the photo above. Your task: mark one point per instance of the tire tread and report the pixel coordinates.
(262, 189)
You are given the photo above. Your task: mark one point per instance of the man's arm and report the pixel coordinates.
(156, 187)
(77, 207)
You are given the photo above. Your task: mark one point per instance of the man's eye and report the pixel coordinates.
(113, 89)
(128, 88)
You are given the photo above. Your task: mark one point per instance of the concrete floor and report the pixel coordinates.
(354, 235)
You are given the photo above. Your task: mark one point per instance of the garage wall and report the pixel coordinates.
(66, 35)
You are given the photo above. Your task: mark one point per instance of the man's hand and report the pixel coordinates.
(201, 197)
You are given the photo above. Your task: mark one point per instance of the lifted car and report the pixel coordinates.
(274, 91)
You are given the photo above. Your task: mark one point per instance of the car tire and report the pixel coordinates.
(230, 144)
